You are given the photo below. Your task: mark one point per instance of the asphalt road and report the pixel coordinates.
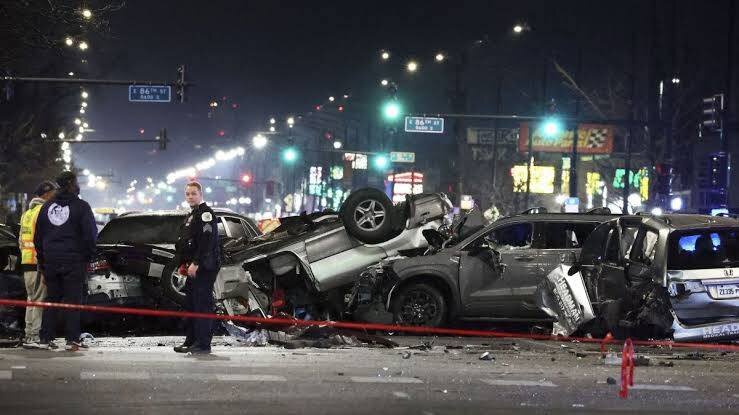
(144, 375)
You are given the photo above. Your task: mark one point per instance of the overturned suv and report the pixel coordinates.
(307, 268)
(656, 276)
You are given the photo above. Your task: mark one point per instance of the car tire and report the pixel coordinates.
(419, 304)
(173, 284)
(368, 216)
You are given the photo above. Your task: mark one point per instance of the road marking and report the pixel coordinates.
(655, 387)
(377, 379)
(501, 382)
(17, 367)
(401, 395)
(114, 376)
(6, 375)
(650, 387)
(250, 378)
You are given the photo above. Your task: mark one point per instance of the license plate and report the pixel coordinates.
(725, 291)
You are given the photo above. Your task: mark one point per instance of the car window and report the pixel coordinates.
(645, 249)
(154, 229)
(516, 236)
(595, 244)
(250, 229)
(628, 237)
(563, 235)
(235, 228)
(703, 249)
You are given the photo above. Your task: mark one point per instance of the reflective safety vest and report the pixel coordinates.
(28, 228)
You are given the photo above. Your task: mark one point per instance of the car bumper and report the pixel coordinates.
(719, 331)
(116, 288)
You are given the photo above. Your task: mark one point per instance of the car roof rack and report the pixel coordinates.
(535, 210)
(600, 211)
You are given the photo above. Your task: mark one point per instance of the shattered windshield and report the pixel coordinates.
(142, 229)
(703, 249)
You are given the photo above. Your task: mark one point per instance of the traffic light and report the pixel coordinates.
(290, 154)
(663, 172)
(391, 110)
(552, 127)
(180, 83)
(163, 139)
(381, 162)
(246, 179)
(712, 109)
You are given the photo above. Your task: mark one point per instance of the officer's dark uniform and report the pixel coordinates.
(198, 244)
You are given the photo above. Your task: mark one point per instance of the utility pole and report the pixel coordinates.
(459, 105)
(629, 137)
(727, 97)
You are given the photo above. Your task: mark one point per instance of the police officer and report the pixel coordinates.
(65, 244)
(199, 250)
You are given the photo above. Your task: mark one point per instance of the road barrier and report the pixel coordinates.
(362, 326)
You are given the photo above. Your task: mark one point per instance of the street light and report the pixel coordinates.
(68, 41)
(272, 121)
(290, 122)
(85, 94)
(272, 129)
(61, 136)
(412, 66)
(337, 144)
(84, 104)
(259, 141)
(440, 57)
(84, 124)
(331, 99)
(77, 121)
(384, 82)
(79, 137)
(83, 45)
(385, 55)
(87, 14)
(517, 28)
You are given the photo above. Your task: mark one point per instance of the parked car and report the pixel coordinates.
(309, 264)
(659, 276)
(492, 274)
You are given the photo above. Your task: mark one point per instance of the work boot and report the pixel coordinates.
(197, 350)
(183, 348)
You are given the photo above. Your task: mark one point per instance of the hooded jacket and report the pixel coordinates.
(65, 231)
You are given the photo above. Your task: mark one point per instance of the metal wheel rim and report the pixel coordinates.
(369, 215)
(418, 308)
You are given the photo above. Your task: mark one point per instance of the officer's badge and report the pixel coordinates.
(206, 217)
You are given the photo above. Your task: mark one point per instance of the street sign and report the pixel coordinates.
(572, 205)
(148, 93)
(402, 157)
(424, 125)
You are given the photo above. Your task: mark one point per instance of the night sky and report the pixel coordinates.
(280, 57)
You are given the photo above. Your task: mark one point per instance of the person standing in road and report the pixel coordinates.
(199, 251)
(65, 244)
(35, 287)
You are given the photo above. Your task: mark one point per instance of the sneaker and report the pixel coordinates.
(75, 346)
(35, 345)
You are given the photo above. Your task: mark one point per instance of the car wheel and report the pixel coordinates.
(419, 305)
(173, 284)
(367, 216)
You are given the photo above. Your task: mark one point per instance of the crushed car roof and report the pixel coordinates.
(171, 212)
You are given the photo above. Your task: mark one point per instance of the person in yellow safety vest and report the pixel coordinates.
(35, 287)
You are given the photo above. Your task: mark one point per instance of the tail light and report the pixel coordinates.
(98, 266)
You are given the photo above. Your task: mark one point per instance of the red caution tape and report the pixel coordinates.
(627, 369)
(354, 326)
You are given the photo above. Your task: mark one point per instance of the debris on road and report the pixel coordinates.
(611, 381)
(487, 356)
(665, 364)
(407, 355)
